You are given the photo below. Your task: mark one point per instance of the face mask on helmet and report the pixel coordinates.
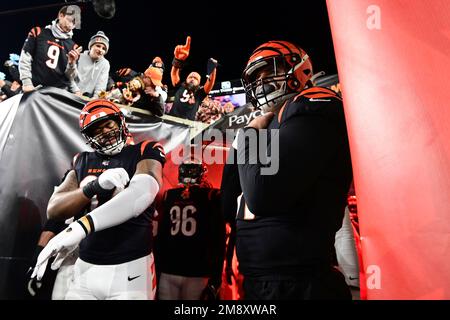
(275, 72)
(104, 136)
(190, 173)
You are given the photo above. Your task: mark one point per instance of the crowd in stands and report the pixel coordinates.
(212, 110)
(50, 57)
(9, 88)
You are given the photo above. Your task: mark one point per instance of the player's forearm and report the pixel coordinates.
(306, 147)
(128, 204)
(45, 237)
(210, 82)
(175, 76)
(65, 205)
(255, 185)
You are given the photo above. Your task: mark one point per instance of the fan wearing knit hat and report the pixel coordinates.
(99, 38)
(152, 78)
(90, 76)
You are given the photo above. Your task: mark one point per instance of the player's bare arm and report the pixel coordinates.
(67, 200)
(151, 167)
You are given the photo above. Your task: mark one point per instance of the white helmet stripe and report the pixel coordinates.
(298, 65)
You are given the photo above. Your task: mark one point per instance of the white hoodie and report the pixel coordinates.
(89, 76)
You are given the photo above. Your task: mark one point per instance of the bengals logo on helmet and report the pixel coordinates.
(99, 110)
(292, 72)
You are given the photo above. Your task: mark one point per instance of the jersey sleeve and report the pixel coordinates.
(308, 145)
(30, 42)
(152, 150)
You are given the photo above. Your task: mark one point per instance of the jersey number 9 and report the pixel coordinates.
(53, 54)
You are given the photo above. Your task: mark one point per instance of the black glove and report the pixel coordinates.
(32, 285)
(212, 64)
(40, 290)
(177, 63)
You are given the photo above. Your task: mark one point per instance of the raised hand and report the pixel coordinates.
(74, 55)
(181, 51)
(212, 64)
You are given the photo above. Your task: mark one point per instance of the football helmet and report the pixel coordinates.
(275, 71)
(191, 172)
(107, 143)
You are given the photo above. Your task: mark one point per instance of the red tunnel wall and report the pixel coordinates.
(394, 64)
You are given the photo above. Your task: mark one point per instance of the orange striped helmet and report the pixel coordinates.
(274, 71)
(95, 112)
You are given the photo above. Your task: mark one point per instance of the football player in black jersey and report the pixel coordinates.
(110, 193)
(46, 52)
(287, 220)
(191, 238)
(190, 94)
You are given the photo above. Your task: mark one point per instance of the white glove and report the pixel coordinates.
(63, 244)
(117, 177)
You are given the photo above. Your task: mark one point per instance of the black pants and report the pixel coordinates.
(324, 284)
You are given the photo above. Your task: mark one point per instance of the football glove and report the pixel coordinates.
(33, 285)
(212, 64)
(111, 178)
(63, 244)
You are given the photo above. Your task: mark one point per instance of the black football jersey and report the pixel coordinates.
(49, 57)
(132, 239)
(191, 234)
(286, 222)
(182, 108)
